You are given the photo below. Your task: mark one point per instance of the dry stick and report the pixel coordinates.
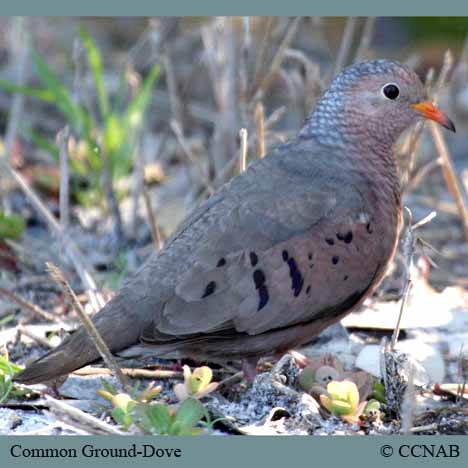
(111, 199)
(38, 339)
(190, 156)
(365, 38)
(462, 374)
(427, 427)
(154, 226)
(71, 250)
(265, 45)
(265, 82)
(414, 139)
(243, 61)
(444, 72)
(75, 417)
(135, 373)
(19, 39)
(449, 175)
(93, 333)
(408, 404)
(64, 200)
(345, 46)
(409, 245)
(176, 106)
(421, 173)
(259, 115)
(243, 150)
(36, 310)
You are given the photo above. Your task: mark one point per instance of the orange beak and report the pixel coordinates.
(429, 111)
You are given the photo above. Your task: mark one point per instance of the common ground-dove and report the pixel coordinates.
(280, 252)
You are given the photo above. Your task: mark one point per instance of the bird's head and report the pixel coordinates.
(375, 100)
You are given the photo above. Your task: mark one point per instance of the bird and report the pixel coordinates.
(281, 251)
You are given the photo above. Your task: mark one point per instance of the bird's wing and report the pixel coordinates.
(259, 261)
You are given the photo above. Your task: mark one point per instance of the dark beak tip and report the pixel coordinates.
(451, 126)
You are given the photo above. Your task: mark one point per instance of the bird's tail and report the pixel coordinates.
(120, 324)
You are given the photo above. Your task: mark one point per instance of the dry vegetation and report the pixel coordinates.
(114, 134)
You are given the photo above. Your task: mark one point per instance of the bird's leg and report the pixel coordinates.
(249, 367)
(301, 360)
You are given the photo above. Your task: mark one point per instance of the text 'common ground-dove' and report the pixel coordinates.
(280, 252)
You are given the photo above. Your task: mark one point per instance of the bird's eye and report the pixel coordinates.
(391, 91)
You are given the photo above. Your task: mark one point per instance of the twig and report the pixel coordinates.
(176, 106)
(38, 339)
(113, 205)
(135, 373)
(93, 333)
(77, 418)
(59, 425)
(154, 226)
(243, 150)
(462, 372)
(409, 245)
(421, 173)
(190, 156)
(265, 45)
(36, 310)
(414, 138)
(19, 44)
(62, 140)
(259, 114)
(449, 175)
(444, 72)
(230, 381)
(426, 428)
(365, 38)
(345, 46)
(265, 82)
(71, 250)
(408, 404)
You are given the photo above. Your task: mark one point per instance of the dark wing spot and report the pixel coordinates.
(346, 238)
(262, 297)
(253, 258)
(259, 278)
(221, 262)
(335, 259)
(210, 289)
(297, 281)
(285, 255)
(329, 241)
(308, 290)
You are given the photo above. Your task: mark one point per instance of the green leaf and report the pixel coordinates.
(158, 419)
(95, 63)
(122, 417)
(41, 94)
(113, 135)
(7, 371)
(200, 379)
(188, 415)
(44, 144)
(11, 226)
(137, 107)
(61, 96)
(341, 408)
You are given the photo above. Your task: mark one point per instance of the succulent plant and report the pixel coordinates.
(342, 399)
(197, 384)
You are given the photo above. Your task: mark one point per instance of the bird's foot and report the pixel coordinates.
(249, 368)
